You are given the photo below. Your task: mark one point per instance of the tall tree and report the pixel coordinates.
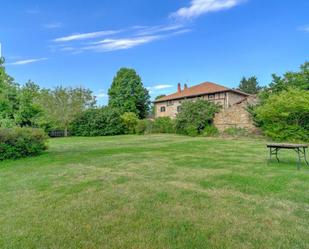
(8, 96)
(128, 94)
(29, 110)
(249, 85)
(299, 80)
(61, 105)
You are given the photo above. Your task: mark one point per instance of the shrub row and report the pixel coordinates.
(168, 125)
(21, 142)
(194, 118)
(103, 121)
(159, 125)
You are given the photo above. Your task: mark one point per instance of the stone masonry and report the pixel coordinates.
(236, 116)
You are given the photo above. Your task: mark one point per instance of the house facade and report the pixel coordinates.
(169, 106)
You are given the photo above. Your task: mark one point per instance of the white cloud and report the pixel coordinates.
(160, 87)
(158, 29)
(113, 44)
(156, 89)
(304, 28)
(24, 62)
(101, 94)
(132, 37)
(84, 36)
(120, 43)
(182, 31)
(200, 7)
(53, 25)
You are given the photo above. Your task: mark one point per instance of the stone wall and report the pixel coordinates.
(236, 116)
(233, 98)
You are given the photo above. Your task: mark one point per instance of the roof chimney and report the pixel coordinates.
(179, 87)
(185, 87)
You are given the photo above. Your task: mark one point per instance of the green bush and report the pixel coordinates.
(236, 132)
(210, 131)
(163, 125)
(199, 114)
(103, 121)
(130, 120)
(7, 123)
(21, 142)
(191, 131)
(285, 116)
(159, 125)
(144, 126)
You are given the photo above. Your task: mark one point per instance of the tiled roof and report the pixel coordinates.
(201, 89)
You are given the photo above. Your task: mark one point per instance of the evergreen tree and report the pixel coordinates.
(249, 85)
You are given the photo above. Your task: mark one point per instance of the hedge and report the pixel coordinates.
(105, 121)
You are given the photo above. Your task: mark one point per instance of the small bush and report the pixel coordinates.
(21, 142)
(282, 132)
(103, 121)
(144, 126)
(210, 131)
(130, 120)
(191, 131)
(7, 123)
(163, 125)
(198, 113)
(236, 132)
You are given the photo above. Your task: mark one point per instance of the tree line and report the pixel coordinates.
(282, 111)
(51, 109)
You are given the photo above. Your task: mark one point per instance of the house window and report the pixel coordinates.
(170, 102)
(179, 108)
(211, 96)
(162, 109)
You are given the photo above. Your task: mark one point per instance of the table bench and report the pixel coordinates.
(300, 149)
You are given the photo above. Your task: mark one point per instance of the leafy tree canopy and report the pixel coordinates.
(195, 115)
(298, 80)
(128, 94)
(29, 111)
(8, 95)
(249, 85)
(285, 116)
(61, 105)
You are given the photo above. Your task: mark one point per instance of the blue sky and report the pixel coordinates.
(84, 43)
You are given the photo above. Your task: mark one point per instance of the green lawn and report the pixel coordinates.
(158, 191)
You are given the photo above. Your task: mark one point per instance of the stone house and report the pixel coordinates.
(233, 103)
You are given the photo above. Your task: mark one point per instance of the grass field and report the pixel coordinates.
(158, 191)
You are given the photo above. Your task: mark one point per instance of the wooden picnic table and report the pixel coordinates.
(300, 149)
